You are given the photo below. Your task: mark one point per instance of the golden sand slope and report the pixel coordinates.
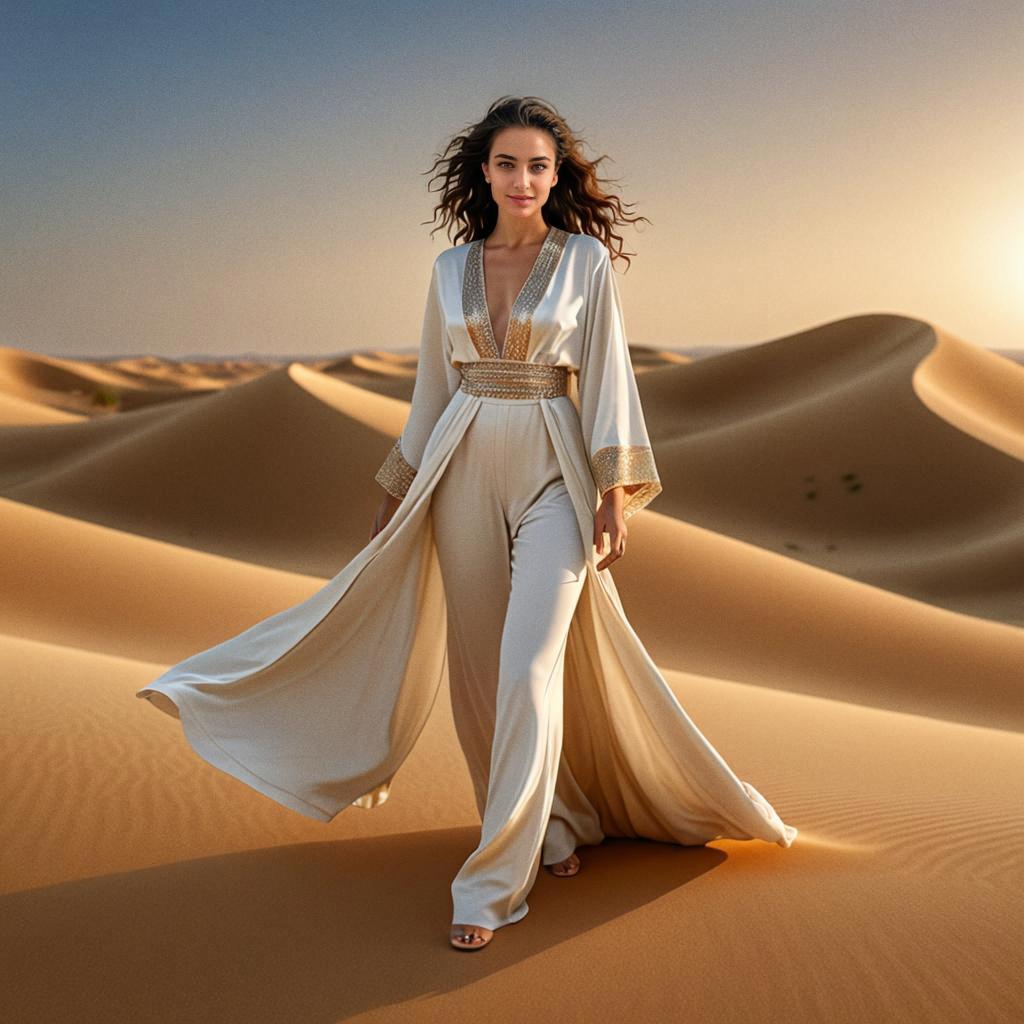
(378, 371)
(976, 390)
(819, 446)
(264, 471)
(816, 446)
(15, 411)
(93, 387)
(847, 684)
(902, 895)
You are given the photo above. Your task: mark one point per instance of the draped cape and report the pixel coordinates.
(319, 705)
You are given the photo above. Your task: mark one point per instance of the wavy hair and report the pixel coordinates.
(578, 202)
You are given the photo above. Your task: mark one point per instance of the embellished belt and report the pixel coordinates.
(513, 378)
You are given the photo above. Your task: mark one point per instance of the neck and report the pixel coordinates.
(513, 234)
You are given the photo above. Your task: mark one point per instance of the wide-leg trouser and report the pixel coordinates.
(513, 565)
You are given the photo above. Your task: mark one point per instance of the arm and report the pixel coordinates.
(436, 381)
(614, 429)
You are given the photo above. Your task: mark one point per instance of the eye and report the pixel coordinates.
(504, 163)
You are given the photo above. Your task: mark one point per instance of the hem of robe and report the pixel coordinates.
(638, 758)
(210, 751)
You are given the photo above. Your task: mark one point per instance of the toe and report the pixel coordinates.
(569, 866)
(469, 935)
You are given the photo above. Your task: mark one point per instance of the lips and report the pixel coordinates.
(520, 197)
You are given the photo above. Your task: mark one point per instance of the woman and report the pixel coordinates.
(525, 447)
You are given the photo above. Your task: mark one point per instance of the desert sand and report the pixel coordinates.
(832, 581)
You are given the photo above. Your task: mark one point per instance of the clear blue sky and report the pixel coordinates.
(229, 177)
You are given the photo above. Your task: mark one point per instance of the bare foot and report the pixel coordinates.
(565, 868)
(470, 936)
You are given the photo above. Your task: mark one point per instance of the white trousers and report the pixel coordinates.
(513, 565)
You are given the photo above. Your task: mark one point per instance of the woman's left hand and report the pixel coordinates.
(608, 520)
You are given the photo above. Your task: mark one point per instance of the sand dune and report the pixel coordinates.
(378, 371)
(91, 388)
(818, 446)
(832, 581)
(278, 470)
(28, 370)
(71, 714)
(192, 373)
(977, 391)
(15, 411)
(739, 612)
(902, 895)
(644, 358)
(105, 590)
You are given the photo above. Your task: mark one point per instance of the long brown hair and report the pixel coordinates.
(577, 203)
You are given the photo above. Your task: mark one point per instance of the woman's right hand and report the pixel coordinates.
(389, 503)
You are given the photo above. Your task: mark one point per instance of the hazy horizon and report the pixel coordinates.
(694, 351)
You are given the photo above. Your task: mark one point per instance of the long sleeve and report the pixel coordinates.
(612, 418)
(436, 381)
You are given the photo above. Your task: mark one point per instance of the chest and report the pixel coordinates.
(505, 273)
(501, 291)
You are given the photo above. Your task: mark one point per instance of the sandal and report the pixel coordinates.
(565, 872)
(470, 936)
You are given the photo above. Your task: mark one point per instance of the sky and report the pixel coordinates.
(251, 177)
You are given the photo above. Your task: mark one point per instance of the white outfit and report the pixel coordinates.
(513, 565)
(487, 570)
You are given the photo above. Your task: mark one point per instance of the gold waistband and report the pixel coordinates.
(513, 378)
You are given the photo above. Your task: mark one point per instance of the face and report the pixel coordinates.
(522, 163)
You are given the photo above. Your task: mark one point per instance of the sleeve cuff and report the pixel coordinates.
(395, 474)
(631, 467)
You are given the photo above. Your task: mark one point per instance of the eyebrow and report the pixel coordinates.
(509, 156)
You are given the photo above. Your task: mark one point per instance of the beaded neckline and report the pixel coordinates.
(474, 298)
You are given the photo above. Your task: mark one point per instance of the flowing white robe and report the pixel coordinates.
(319, 705)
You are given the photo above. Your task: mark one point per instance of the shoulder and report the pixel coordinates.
(589, 243)
(590, 246)
(593, 258)
(455, 252)
(448, 263)
(452, 258)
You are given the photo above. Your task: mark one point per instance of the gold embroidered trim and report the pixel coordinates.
(512, 378)
(474, 298)
(395, 474)
(626, 466)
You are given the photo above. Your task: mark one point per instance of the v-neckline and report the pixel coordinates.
(512, 308)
